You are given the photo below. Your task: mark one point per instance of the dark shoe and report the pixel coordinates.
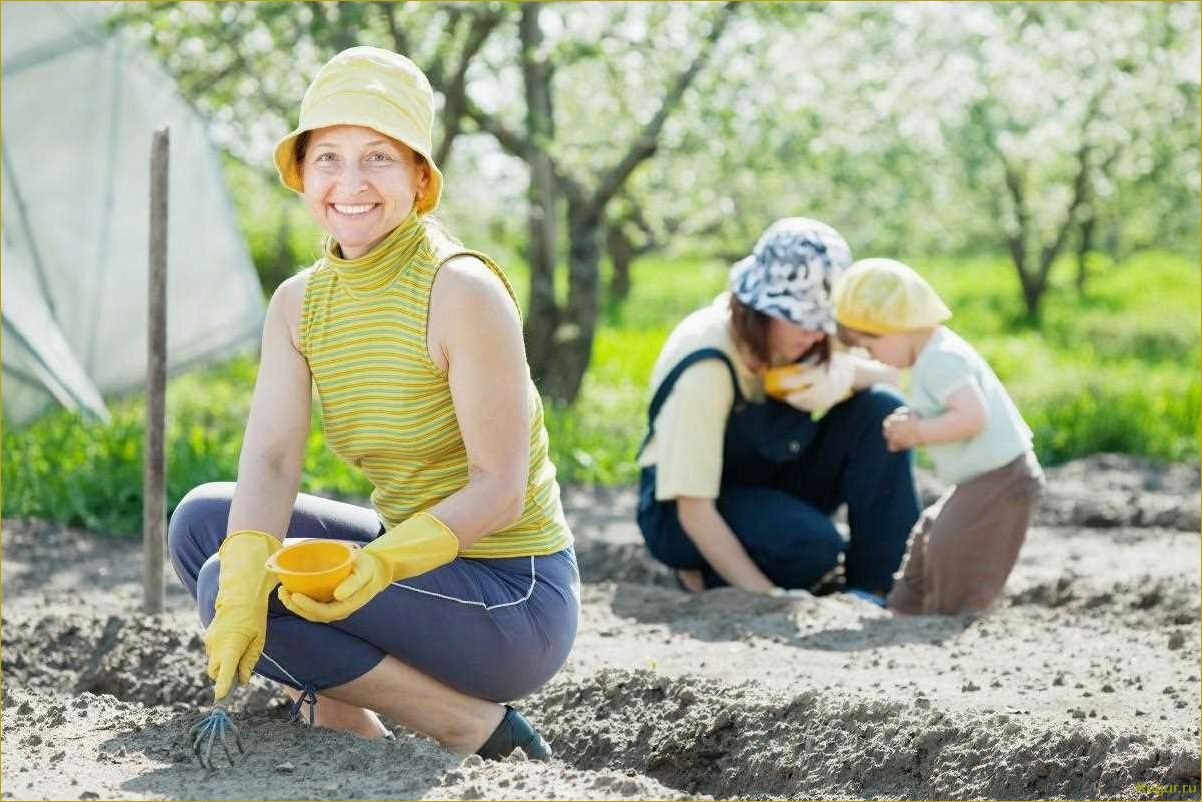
(514, 731)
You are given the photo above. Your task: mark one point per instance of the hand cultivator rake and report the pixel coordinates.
(216, 729)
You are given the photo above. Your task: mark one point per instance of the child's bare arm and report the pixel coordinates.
(870, 372)
(965, 416)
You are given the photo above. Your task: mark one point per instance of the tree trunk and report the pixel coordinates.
(574, 339)
(1112, 243)
(1030, 280)
(1084, 248)
(1018, 242)
(280, 265)
(454, 88)
(543, 314)
(621, 253)
(559, 340)
(1033, 289)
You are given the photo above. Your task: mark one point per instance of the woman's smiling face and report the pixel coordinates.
(360, 184)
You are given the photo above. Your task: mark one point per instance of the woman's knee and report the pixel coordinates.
(198, 511)
(802, 563)
(829, 547)
(773, 520)
(196, 529)
(666, 538)
(819, 546)
(878, 401)
(795, 535)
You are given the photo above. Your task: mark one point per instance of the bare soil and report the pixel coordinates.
(1083, 684)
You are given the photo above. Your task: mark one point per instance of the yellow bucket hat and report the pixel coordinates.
(882, 296)
(377, 89)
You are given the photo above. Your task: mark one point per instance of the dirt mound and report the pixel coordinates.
(1169, 600)
(1107, 491)
(1083, 683)
(518, 778)
(1105, 472)
(1113, 490)
(603, 561)
(144, 751)
(149, 660)
(738, 741)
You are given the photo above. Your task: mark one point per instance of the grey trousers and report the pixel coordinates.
(495, 629)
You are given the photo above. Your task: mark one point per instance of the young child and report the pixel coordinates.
(963, 547)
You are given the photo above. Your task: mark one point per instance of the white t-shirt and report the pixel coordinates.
(945, 364)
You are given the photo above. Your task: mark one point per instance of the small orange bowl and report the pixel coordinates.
(773, 379)
(314, 567)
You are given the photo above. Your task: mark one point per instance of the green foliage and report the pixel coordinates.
(1115, 371)
(950, 93)
(91, 475)
(279, 234)
(1133, 413)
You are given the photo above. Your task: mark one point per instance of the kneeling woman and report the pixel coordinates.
(465, 594)
(738, 488)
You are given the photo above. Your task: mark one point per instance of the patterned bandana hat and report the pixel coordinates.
(790, 273)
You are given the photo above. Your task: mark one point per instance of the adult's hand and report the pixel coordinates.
(412, 547)
(790, 593)
(234, 642)
(704, 525)
(234, 638)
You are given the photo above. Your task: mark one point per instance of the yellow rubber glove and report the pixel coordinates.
(412, 547)
(234, 639)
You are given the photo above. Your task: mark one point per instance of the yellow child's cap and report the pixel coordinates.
(377, 89)
(881, 296)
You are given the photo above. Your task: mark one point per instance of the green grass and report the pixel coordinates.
(1117, 370)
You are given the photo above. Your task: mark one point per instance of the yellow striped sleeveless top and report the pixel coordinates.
(386, 407)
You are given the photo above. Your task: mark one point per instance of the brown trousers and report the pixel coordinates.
(964, 545)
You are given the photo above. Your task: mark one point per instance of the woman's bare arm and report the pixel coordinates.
(475, 334)
(277, 429)
(703, 524)
(870, 372)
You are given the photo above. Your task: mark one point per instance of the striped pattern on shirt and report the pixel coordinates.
(386, 407)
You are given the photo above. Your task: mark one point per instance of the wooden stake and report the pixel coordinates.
(154, 474)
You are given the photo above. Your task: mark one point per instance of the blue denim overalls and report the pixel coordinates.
(783, 477)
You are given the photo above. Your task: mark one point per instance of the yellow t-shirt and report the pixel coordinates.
(686, 449)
